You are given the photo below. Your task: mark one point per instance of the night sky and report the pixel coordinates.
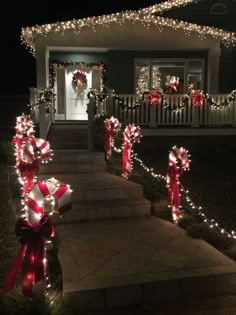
(18, 65)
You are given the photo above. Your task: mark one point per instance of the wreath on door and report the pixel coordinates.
(79, 79)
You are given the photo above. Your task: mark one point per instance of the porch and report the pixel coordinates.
(169, 120)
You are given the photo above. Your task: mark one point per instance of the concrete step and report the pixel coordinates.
(73, 167)
(78, 156)
(104, 210)
(99, 187)
(70, 145)
(107, 265)
(68, 137)
(107, 184)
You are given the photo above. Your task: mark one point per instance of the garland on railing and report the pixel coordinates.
(48, 97)
(196, 210)
(160, 99)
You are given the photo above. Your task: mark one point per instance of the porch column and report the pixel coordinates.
(42, 68)
(213, 71)
(60, 89)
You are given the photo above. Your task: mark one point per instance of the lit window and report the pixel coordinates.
(218, 9)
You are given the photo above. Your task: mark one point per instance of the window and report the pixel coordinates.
(169, 76)
(218, 9)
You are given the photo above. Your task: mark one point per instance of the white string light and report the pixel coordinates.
(196, 210)
(29, 35)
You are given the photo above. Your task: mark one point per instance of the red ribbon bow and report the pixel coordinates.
(154, 99)
(32, 252)
(173, 174)
(197, 99)
(27, 173)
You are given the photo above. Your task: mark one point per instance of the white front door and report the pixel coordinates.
(76, 97)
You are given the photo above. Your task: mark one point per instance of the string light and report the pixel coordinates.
(29, 35)
(194, 209)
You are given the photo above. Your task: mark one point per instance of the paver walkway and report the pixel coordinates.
(116, 263)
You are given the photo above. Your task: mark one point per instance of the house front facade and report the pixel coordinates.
(127, 52)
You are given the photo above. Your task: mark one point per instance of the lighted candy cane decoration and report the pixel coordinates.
(24, 126)
(112, 125)
(28, 154)
(130, 135)
(32, 233)
(24, 131)
(29, 162)
(41, 190)
(172, 175)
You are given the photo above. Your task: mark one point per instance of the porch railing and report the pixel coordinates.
(154, 116)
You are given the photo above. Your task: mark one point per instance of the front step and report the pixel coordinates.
(68, 136)
(104, 210)
(74, 161)
(97, 194)
(107, 265)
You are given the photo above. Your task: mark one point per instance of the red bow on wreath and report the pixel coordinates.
(32, 252)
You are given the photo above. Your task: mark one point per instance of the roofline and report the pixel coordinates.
(29, 34)
(166, 6)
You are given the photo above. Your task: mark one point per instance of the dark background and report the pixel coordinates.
(17, 64)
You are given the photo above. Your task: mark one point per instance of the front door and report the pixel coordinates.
(78, 83)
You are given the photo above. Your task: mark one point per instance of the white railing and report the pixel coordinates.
(154, 116)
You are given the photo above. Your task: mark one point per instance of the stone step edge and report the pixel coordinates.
(96, 203)
(151, 293)
(78, 215)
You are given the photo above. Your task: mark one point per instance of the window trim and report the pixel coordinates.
(186, 61)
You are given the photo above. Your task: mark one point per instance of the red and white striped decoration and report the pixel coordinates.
(24, 126)
(172, 176)
(112, 125)
(131, 134)
(179, 154)
(37, 195)
(28, 154)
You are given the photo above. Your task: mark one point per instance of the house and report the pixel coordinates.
(133, 51)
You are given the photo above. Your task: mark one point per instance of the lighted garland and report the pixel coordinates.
(159, 99)
(99, 96)
(55, 63)
(48, 97)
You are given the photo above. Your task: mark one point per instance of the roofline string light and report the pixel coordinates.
(165, 6)
(30, 34)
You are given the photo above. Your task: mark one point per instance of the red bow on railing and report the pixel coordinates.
(154, 99)
(32, 252)
(197, 99)
(173, 174)
(27, 173)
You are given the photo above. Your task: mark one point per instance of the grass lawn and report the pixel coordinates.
(210, 179)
